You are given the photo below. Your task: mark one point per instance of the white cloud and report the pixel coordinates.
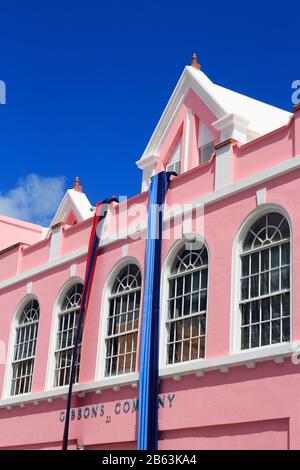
(34, 199)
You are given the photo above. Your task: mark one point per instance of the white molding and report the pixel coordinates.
(223, 170)
(232, 126)
(55, 243)
(261, 196)
(187, 140)
(44, 267)
(201, 366)
(124, 250)
(237, 187)
(28, 288)
(148, 166)
(72, 270)
(230, 190)
(75, 201)
(197, 367)
(61, 392)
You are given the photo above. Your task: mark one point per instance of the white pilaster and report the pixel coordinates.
(187, 140)
(223, 175)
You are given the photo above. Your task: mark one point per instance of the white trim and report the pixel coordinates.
(187, 140)
(232, 126)
(72, 201)
(49, 380)
(61, 392)
(261, 196)
(236, 271)
(223, 170)
(230, 190)
(197, 367)
(124, 250)
(72, 270)
(44, 267)
(28, 288)
(55, 243)
(237, 187)
(103, 315)
(11, 343)
(200, 366)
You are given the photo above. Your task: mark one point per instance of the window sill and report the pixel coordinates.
(109, 383)
(223, 363)
(199, 367)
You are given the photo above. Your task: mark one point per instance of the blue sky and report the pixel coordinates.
(87, 81)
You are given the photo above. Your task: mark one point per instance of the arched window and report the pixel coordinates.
(67, 326)
(187, 306)
(265, 282)
(24, 350)
(123, 322)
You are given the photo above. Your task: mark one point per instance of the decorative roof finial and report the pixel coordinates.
(194, 62)
(77, 186)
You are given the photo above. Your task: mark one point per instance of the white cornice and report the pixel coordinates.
(147, 162)
(229, 120)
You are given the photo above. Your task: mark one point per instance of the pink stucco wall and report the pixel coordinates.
(245, 408)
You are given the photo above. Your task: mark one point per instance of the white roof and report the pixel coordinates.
(262, 117)
(74, 201)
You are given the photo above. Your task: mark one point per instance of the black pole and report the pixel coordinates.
(72, 379)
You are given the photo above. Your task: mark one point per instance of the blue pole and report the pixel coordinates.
(148, 382)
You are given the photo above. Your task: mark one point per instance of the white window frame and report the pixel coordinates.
(104, 313)
(165, 275)
(49, 382)
(235, 322)
(134, 332)
(64, 354)
(6, 392)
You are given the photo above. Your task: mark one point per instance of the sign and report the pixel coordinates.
(119, 407)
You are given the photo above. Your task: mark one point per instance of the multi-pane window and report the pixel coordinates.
(66, 334)
(187, 306)
(265, 283)
(122, 322)
(24, 349)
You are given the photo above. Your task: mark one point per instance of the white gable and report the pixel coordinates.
(74, 202)
(237, 115)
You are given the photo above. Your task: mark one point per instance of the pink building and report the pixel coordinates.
(230, 320)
